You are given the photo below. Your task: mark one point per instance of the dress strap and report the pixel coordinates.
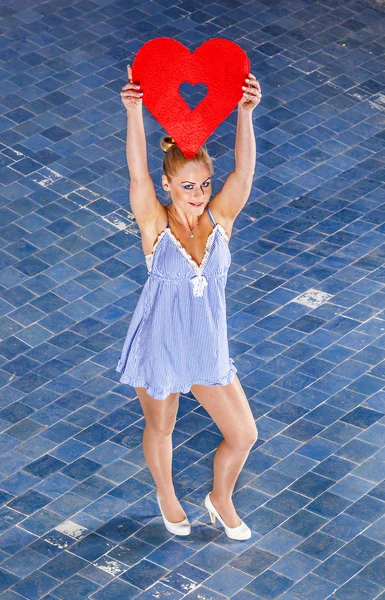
(211, 216)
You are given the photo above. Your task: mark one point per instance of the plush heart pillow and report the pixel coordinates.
(162, 65)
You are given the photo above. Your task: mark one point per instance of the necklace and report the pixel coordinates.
(188, 229)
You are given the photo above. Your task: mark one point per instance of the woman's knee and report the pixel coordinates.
(243, 442)
(229, 408)
(160, 430)
(159, 415)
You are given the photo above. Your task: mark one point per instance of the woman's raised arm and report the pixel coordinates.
(143, 201)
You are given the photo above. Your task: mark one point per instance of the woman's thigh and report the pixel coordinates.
(230, 410)
(160, 415)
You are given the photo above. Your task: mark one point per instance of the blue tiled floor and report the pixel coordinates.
(78, 515)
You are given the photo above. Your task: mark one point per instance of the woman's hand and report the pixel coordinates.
(251, 94)
(131, 94)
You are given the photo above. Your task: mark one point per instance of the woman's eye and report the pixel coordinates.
(188, 187)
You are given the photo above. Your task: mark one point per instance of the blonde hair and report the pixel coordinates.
(175, 160)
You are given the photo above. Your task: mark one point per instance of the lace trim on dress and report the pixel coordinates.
(161, 394)
(199, 282)
(197, 268)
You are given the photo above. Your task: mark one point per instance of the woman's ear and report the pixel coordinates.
(165, 183)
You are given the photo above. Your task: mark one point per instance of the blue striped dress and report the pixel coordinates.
(177, 336)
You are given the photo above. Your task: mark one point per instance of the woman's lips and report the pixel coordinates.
(197, 205)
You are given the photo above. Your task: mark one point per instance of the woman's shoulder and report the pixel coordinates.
(152, 228)
(218, 216)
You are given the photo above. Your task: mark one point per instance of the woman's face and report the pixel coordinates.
(191, 189)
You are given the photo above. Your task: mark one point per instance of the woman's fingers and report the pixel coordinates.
(253, 94)
(252, 91)
(252, 82)
(131, 91)
(131, 94)
(255, 84)
(131, 86)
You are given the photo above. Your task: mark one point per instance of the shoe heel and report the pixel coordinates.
(241, 532)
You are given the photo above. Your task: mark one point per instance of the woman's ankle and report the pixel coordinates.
(220, 500)
(166, 493)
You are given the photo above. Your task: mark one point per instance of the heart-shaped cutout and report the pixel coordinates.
(193, 94)
(163, 64)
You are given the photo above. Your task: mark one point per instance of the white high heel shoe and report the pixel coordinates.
(241, 532)
(181, 528)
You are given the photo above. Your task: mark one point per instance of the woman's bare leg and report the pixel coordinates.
(230, 410)
(160, 417)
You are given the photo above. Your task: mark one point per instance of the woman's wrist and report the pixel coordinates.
(137, 111)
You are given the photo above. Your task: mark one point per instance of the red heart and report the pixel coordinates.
(163, 64)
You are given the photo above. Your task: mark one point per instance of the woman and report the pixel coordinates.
(177, 338)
